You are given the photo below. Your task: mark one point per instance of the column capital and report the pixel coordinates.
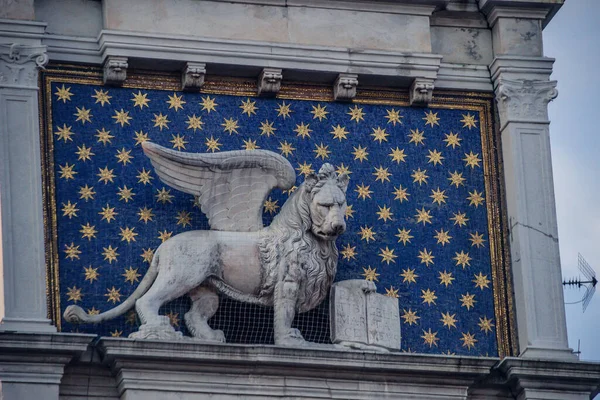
(522, 100)
(19, 64)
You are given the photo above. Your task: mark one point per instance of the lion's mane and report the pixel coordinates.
(288, 243)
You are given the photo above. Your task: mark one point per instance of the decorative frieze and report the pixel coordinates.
(344, 87)
(192, 76)
(269, 81)
(421, 92)
(19, 64)
(524, 100)
(115, 70)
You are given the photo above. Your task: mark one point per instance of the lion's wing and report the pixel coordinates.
(231, 186)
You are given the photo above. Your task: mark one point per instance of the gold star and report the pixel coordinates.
(110, 254)
(178, 141)
(423, 216)
(72, 251)
(125, 194)
(305, 169)
(428, 296)
(430, 338)
(366, 233)
(113, 295)
(469, 121)
(460, 219)
(387, 255)
(74, 294)
(128, 234)
(404, 236)
(173, 318)
(175, 102)
(249, 107)
(64, 133)
(290, 190)
(382, 174)
(456, 178)
(420, 176)
(184, 219)
(266, 128)
(442, 237)
(370, 274)
(286, 148)
(131, 275)
(66, 171)
(409, 276)
(194, 122)
(417, 137)
(477, 239)
(462, 259)
(349, 212)
(84, 153)
(164, 235)
(319, 112)
(393, 117)
(108, 213)
(468, 300)
(384, 213)
(164, 196)
(475, 198)
(339, 132)
(86, 192)
(379, 135)
(88, 231)
(147, 255)
(431, 119)
(270, 206)
(435, 157)
(348, 252)
(449, 320)
(250, 145)
(230, 125)
(63, 94)
(122, 117)
(360, 153)
(124, 156)
(101, 97)
(485, 324)
(452, 139)
(284, 110)
(103, 136)
(356, 114)
(410, 317)
(438, 196)
(213, 144)
(481, 281)
(91, 274)
(398, 155)
(391, 292)
(303, 130)
(161, 121)
(93, 311)
(116, 333)
(401, 194)
(69, 209)
(140, 100)
(342, 169)
(321, 151)
(208, 104)
(472, 160)
(468, 340)
(144, 176)
(145, 214)
(446, 278)
(363, 191)
(426, 257)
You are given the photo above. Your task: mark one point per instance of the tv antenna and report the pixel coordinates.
(589, 284)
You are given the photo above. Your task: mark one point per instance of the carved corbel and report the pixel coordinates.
(524, 100)
(192, 76)
(344, 87)
(115, 70)
(421, 92)
(269, 81)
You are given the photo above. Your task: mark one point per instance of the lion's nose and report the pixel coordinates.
(338, 227)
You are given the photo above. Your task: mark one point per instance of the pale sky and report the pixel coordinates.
(573, 38)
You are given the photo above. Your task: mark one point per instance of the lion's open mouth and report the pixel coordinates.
(328, 235)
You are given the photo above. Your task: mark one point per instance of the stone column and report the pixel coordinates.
(520, 74)
(23, 278)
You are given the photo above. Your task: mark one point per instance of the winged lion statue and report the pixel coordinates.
(289, 265)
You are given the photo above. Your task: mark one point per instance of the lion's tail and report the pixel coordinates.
(77, 315)
(235, 294)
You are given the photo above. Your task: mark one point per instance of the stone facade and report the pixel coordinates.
(491, 46)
